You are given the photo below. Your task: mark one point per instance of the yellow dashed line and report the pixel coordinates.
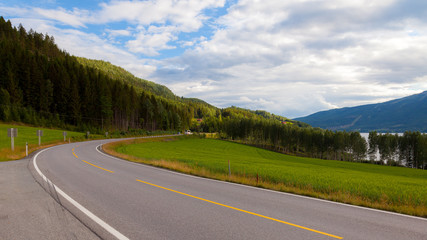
(92, 163)
(98, 166)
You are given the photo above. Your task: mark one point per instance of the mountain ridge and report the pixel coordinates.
(398, 115)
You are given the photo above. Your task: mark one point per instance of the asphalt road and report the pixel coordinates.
(120, 199)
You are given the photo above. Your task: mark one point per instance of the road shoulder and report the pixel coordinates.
(27, 211)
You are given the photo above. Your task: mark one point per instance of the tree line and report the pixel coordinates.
(291, 139)
(409, 149)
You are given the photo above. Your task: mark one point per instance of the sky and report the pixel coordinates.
(291, 58)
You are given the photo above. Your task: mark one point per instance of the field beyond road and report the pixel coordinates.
(395, 189)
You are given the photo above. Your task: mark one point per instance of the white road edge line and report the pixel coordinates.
(266, 190)
(92, 216)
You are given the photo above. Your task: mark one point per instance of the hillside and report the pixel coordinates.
(399, 115)
(119, 74)
(201, 108)
(260, 114)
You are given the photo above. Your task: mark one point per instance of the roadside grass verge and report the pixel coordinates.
(28, 134)
(52, 137)
(396, 189)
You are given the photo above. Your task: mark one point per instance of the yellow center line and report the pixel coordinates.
(98, 166)
(241, 210)
(92, 163)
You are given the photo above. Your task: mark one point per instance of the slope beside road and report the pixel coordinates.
(143, 202)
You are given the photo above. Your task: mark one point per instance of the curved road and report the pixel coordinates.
(117, 199)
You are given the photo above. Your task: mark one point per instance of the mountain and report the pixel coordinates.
(399, 115)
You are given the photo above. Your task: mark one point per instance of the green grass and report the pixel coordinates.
(390, 188)
(29, 134)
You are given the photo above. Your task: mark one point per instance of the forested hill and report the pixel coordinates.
(45, 86)
(119, 74)
(399, 115)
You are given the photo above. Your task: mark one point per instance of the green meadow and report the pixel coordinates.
(390, 188)
(29, 135)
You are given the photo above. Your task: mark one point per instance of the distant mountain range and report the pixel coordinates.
(399, 115)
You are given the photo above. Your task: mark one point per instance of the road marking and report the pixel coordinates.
(97, 166)
(88, 213)
(92, 163)
(241, 210)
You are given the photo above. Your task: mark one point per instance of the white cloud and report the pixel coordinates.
(297, 57)
(73, 18)
(193, 42)
(152, 40)
(14, 11)
(170, 19)
(121, 32)
(186, 14)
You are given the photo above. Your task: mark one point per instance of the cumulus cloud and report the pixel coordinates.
(149, 42)
(170, 18)
(306, 56)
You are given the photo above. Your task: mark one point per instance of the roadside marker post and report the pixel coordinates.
(40, 135)
(26, 149)
(12, 133)
(229, 169)
(87, 134)
(65, 136)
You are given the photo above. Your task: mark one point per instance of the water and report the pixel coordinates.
(377, 154)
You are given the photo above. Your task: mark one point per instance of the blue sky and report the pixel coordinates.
(291, 58)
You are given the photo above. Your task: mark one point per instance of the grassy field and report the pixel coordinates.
(29, 134)
(390, 188)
